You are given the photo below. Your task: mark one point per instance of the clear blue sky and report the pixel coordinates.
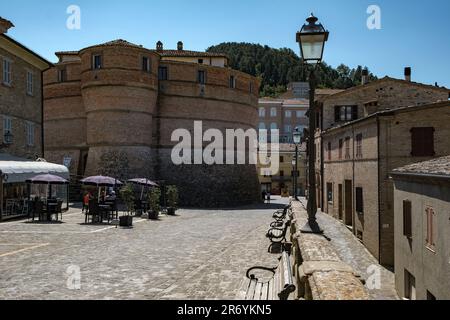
(414, 33)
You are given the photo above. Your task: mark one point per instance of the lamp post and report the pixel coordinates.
(297, 138)
(312, 38)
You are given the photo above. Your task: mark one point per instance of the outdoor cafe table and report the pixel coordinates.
(51, 209)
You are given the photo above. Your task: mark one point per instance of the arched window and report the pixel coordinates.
(273, 112)
(273, 126)
(262, 126)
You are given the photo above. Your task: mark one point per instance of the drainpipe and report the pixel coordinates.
(353, 182)
(379, 195)
(42, 114)
(1, 195)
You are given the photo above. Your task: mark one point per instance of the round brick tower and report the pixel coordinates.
(228, 100)
(119, 87)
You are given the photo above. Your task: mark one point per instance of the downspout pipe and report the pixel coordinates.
(379, 190)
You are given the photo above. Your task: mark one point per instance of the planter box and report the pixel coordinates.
(126, 221)
(153, 215)
(171, 211)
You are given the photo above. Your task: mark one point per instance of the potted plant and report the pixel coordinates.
(154, 203)
(127, 195)
(172, 200)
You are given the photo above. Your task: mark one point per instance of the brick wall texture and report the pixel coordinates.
(122, 109)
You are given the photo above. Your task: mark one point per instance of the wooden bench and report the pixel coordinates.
(279, 287)
(278, 235)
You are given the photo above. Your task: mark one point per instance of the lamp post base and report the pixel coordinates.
(311, 227)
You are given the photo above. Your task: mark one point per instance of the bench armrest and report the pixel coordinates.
(252, 276)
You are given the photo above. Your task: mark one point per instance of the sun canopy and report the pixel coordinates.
(143, 182)
(20, 170)
(47, 179)
(101, 181)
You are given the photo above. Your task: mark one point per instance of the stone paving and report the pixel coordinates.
(200, 254)
(353, 252)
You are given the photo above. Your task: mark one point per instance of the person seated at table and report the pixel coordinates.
(111, 196)
(102, 196)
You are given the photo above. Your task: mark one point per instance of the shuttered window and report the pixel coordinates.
(162, 73)
(422, 142)
(407, 219)
(345, 113)
(430, 229)
(341, 147)
(201, 76)
(329, 151)
(359, 200)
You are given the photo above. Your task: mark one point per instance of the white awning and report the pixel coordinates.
(21, 171)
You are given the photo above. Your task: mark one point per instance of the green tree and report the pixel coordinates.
(277, 67)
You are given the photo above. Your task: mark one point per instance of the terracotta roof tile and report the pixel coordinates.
(439, 166)
(188, 53)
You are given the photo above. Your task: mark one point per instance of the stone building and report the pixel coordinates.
(121, 101)
(358, 157)
(354, 134)
(282, 183)
(20, 97)
(289, 111)
(422, 230)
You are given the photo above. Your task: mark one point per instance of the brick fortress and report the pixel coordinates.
(117, 104)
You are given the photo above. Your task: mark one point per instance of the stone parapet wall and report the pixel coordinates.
(320, 273)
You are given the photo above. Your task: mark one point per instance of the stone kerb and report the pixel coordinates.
(321, 274)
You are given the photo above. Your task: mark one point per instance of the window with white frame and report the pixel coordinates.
(7, 71)
(30, 83)
(262, 112)
(7, 128)
(273, 112)
(30, 133)
(288, 114)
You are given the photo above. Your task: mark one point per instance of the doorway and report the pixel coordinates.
(348, 203)
(410, 286)
(340, 200)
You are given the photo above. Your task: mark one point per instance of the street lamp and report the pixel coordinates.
(312, 38)
(297, 138)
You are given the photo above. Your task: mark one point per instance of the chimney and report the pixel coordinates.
(159, 46)
(365, 77)
(408, 74)
(5, 25)
(180, 46)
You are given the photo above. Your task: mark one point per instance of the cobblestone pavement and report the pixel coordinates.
(354, 253)
(200, 254)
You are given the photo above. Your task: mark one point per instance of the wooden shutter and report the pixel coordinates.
(407, 219)
(337, 113)
(354, 112)
(359, 200)
(422, 142)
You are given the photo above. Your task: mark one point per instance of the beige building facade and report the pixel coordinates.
(283, 182)
(358, 157)
(356, 148)
(20, 97)
(422, 230)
